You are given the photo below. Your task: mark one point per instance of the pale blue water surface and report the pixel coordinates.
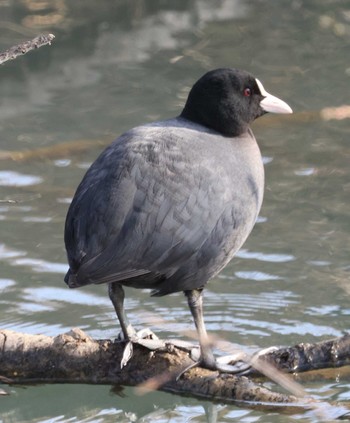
(116, 64)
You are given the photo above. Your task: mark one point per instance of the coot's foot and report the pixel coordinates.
(231, 365)
(144, 337)
(236, 367)
(239, 364)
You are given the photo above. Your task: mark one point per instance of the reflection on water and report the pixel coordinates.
(15, 179)
(123, 63)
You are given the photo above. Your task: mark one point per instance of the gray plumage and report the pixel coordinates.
(167, 205)
(164, 207)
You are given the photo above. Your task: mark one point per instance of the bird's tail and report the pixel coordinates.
(71, 279)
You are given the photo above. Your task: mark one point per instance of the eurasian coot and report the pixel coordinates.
(168, 204)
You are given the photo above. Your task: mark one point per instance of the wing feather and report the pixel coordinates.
(145, 211)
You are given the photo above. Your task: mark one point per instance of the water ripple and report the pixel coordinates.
(34, 328)
(6, 283)
(284, 327)
(307, 171)
(9, 178)
(69, 296)
(40, 266)
(37, 219)
(257, 276)
(8, 253)
(272, 258)
(250, 302)
(326, 310)
(17, 258)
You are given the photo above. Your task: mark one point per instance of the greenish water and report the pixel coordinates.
(117, 64)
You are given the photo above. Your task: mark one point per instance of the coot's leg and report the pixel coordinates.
(117, 295)
(144, 337)
(195, 303)
(207, 359)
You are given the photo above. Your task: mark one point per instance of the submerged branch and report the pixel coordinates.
(74, 147)
(52, 152)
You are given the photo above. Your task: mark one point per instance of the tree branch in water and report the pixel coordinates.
(23, 48)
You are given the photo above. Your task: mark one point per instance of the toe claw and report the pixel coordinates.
(127, 354)
(239, 368)
(144, 337)
(146, 333)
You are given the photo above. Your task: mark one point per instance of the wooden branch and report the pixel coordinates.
(25, 47)
(75, 357)
(305, 357)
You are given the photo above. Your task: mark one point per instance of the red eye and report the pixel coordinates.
(247, 92)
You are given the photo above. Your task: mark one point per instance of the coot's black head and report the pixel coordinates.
(228, 100)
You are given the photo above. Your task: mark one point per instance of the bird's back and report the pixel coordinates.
(164, 207)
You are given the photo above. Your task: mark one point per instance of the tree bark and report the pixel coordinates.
(74, 357)
(305, 357)
(25, 47)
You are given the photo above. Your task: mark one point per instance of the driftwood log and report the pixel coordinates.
(74, 357)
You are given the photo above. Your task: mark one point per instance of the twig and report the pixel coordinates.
(25, 47)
